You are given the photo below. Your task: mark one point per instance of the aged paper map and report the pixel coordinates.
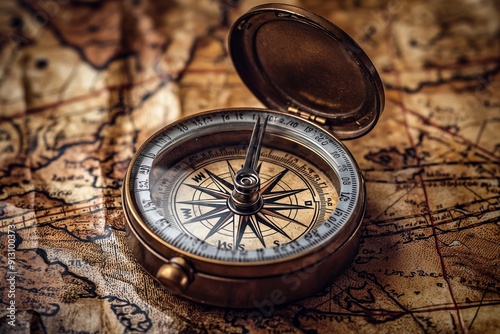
(83, 83)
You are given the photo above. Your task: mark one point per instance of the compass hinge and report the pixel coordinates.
(306, 115)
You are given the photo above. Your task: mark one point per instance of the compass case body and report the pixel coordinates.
(301, 65)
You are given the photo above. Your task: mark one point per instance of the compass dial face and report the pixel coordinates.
(179, 193)
(194, 196)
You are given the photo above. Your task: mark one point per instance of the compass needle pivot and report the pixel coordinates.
(246, 198)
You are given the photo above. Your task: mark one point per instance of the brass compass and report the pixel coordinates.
(249, 207)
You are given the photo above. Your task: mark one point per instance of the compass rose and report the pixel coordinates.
(241, 223)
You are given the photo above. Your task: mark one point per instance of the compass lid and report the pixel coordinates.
(296, 61)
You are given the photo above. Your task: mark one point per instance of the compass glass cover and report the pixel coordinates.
(185, 192)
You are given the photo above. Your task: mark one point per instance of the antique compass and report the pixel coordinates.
(249, 207)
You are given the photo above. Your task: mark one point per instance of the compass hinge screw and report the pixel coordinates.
(296, 111)
(176, 275)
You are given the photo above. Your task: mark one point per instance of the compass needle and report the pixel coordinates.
(245, 198)
(206, 214)
(255, 145)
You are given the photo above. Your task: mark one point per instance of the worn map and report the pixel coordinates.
(83, 83)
